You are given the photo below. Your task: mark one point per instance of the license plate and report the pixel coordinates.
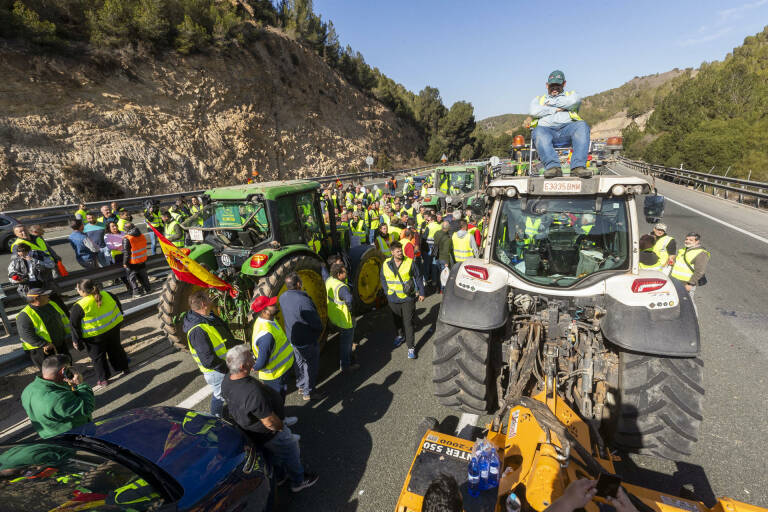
(196, 235)
(562, 186)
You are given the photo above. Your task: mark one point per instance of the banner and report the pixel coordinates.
(186, 269)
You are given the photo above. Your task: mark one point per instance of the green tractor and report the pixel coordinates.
(253, 236)
(458, 186)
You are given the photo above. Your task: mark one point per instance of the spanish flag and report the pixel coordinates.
(186, 269)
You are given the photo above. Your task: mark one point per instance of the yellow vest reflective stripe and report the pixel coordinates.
(432, 229)
(358, 230)
(145, 493)
(383, 246)
(40, 328)
(543, 99)
(99, 319)
(338, 310)
(394, 285)
(656, 266)
(532, 227)
(217, 343)
(208, 424)
(660, 248)
(154, 219)
(462, 247)
(680, 270)
(170, 230)
(281, 359)
(374, 219)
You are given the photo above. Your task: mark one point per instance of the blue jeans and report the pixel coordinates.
(306, 366)
(152, 241)
(214, 379)
(575, 134)
(346, 336)
(283, 452)
(277, 384)
(437, 268)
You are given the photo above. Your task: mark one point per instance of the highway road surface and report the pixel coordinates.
(361, 437)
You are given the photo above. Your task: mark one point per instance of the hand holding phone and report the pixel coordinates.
(607, 485)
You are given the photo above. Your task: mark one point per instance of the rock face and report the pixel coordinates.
(91, 127)
(612, 127)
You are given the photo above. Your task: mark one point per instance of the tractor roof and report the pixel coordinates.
(269, 189)
(462, 168)
(565, 186)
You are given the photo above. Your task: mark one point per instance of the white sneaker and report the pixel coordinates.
(290, 421)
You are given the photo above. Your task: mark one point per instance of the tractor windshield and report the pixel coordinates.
(460, 182)
(559, 241)
(236, 223)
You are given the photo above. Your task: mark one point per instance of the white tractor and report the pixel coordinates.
(558, 303)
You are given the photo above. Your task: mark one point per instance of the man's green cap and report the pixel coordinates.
(556, 77)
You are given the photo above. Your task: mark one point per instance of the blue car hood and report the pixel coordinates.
(199, 451)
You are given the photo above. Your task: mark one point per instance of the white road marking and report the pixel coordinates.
(466, 419)
(710, 217)
(196, 398)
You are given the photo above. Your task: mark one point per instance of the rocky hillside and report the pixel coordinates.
(504, 123)
(111, 125)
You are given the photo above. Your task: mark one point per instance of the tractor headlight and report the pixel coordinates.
(618, 190)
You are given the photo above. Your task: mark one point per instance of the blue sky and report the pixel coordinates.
(497, 54)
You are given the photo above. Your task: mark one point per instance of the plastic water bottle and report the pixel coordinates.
(484, 470)
(512, 503)
(473, 477)
(493, 469)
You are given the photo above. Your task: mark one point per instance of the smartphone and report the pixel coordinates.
(607, 485)
(67, 373)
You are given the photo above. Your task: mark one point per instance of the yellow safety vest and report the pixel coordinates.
(660, 248)
(394, 284)
(586, 228)
(383, 246)
(432, 229)
(656, 266)
(99, 319)
(121, 224)
(32, 246)
(682, 270)
(170, 229)
(543, 99)
(82, 214)
(532, 227)
(419, 220)
(462, 247)
(358, 230)
(281, 359)
(374, 219)
(152, 218)
(338, 310)
(40, 328)
(217, 342)
(394, 233)
(385, 218)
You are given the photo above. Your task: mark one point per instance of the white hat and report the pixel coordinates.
(661, 227)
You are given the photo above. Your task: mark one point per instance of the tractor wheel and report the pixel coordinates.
(659, 404)
(309, 270)
(460, 368)
(173, 304)
(365, 281)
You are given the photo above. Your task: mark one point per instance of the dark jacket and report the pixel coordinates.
(415, 276)
(302, 321)
(54, 408)
(444, 247)
(199, 339)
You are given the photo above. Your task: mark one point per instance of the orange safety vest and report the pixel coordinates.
(138, 249)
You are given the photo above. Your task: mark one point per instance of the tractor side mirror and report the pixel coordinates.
(653, 209)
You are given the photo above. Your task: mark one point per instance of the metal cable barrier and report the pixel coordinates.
(702, 180)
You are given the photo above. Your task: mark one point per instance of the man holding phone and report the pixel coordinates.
(58, 400)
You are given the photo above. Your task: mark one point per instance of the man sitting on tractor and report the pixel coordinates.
(557, 123)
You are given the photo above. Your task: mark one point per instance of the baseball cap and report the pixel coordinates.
(261, 302)
(36, 292)
(660, 226)
(556, 77)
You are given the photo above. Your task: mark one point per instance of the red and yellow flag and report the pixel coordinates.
(185, 268)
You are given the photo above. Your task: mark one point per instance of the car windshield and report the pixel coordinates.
(239, 223)
(460, 182)
(47, 476)
(560, 241)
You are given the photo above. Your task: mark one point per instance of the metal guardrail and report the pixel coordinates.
(63, 213)
(755, 189)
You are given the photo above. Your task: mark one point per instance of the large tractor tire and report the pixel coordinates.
(173, 305)
(659, 404)
(461, 368)
(366, 262)
(309, 269)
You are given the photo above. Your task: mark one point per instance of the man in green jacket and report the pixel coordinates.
(59, 400)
